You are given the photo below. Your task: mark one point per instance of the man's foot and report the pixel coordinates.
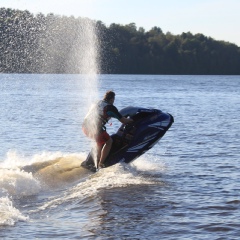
(101, 165)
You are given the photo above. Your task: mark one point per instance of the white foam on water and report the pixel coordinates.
(116, 176)
(14, 160)
(149, 163)
(9, 215)
(16, 183)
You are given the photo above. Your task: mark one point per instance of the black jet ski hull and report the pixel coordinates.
(133, 140)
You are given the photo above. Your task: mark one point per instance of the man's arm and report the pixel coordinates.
(113, 112)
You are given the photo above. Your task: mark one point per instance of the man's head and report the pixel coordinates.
(109, 97)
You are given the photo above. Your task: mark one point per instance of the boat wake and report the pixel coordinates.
(61, 180)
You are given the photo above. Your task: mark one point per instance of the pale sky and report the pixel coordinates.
(219, 19)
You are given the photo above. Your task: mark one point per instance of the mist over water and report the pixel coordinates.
(87, 55)
(48, 43)
(47, 36)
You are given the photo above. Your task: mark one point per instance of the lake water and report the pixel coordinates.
(186, 187)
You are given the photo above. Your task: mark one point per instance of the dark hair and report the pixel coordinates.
(109, 95)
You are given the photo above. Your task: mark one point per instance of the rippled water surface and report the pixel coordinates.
(186, 187)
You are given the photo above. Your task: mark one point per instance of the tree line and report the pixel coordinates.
(55, 44)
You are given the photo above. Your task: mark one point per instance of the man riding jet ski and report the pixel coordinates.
(134, 138)
(94, 125)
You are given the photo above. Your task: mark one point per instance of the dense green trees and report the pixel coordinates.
(51, 44)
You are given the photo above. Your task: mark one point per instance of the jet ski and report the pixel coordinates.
(132, 140)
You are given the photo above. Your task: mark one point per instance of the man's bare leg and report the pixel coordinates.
(105, 151)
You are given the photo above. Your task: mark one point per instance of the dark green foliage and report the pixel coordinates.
(49, 44)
